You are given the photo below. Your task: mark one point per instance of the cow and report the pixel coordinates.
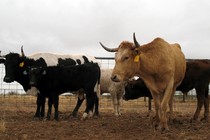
(15, 66)
(135, 89)
(160, 65)
(197, 77)
(54, 80)
(116, 91)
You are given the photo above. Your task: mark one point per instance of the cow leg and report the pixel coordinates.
(115, 103)
(149, 107)
(40, 110)
(56, 103)
(206, 111)
(184, 96)
(50, 102)
(171, 115)
(79, 103)
(206, 104)
(43, 106)
(38, 106)
(200, 101)
(90, 104)
(156, 99)
(119, 97)
(96, 103)
(165, 103)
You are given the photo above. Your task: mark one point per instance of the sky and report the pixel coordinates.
(77, 26)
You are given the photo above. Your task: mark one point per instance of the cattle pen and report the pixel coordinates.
(15, 90)
(17, 108)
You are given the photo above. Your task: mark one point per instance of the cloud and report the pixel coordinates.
(75, 26)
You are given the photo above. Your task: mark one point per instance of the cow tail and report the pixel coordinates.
(97, 88)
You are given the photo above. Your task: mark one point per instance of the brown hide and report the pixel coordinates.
(161, 65)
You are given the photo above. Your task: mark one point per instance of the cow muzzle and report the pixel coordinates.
(32, 83)
(8, 79)
(115, 78)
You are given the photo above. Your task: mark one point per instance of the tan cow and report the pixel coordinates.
(161, 65)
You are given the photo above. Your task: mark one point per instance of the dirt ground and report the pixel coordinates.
(134, 124)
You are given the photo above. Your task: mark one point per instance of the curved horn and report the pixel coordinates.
(135, 41)
(109, 49)
(22, 53)
(2, 56)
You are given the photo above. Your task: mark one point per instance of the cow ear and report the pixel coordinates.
(44, 72)
(2, 60)
(25, 72)
(136, 53)
(21, 64)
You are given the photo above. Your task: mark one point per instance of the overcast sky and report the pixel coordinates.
(76, 26)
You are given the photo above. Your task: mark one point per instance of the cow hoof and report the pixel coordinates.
(164, 130)
(192, 120)
(56, 119)
(73, 115)
(205, 119)
(84, 116)
(96, 114)
(36, 118)
(117, 114)
(90, 114)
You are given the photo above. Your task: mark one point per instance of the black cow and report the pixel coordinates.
(135, 89)
(54, 80)
(197, 76)
(16, 64)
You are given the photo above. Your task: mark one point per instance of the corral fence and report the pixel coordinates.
(12, 95)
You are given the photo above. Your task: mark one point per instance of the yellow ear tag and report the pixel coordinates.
(21, 64)
(136, 59)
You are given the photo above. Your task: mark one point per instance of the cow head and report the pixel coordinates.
(135, 89)
(127, 60)
(13, 65)
(35, 75)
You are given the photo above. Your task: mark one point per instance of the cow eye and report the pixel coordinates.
(25, 72)
(44, 72)
(125, 58)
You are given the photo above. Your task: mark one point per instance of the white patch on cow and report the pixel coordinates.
(33, 91)
(116, 90)
(84, 116)
(52, 59)
(80, 94)
(97, 89)
(90, 114)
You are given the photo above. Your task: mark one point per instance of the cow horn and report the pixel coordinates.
(135, 41)
(109, 49)
(22, 53)
(2, 55)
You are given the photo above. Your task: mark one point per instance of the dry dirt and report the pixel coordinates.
(17, 119)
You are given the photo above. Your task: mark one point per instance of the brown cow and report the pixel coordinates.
(161, 66)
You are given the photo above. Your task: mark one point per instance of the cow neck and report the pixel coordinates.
(22, 79)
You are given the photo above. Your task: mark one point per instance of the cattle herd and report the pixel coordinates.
(161, 68)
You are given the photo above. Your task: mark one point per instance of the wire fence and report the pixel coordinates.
(12, 95)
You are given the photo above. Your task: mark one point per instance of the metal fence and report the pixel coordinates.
(14, 87)
(13, 92)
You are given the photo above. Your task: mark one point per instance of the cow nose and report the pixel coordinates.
(7, 79)
(32, 83)
(113, 77)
